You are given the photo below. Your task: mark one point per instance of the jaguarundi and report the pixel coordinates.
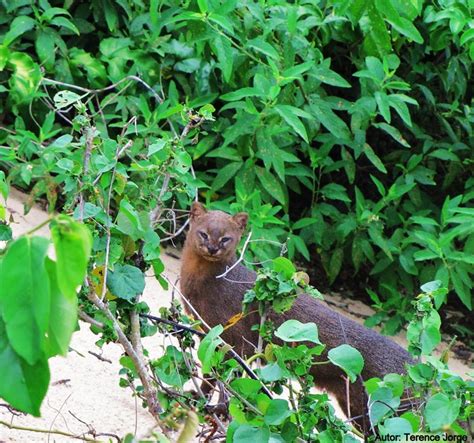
(210, 249)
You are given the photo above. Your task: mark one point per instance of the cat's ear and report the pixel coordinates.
(241, 219)
(197, 210)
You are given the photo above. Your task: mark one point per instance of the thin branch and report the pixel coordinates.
(99, 357)
(179, 231)
(46, 431)
(149, 391)
(231, 351)
(87, 156)
(118, 153)
(87, 318)
(263, 319)
(199, 390)
(240, 258)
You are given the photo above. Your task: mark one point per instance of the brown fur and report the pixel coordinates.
(217, 300)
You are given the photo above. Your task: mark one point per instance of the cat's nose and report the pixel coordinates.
(212, 249)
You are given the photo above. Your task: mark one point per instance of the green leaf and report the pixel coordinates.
(374, 158)
(207, 353)
(284, 266)
(277, 412)
(64, 99)
(271, 372)
(300, 245)
(23, 386)
(335, 125)
(222, 21)
(203, 6)
(295, 71)
(73, 244)
(260, 45)
(223, 50)
(304, 222)
(289, 114)
(396, 426)
(401, 24)
(431, 286)
(430, 336)
(225, 174)
(96, 72)
(126, 282)
(128, 221)
(271, 184)
(5, 232)
(19, 26)
(49, 13)
(376, 236)
(63, 22)
(393, 132)
(169, 368)
(334, 191)
(44, 45)
(382, 402)
(464, 293)
(329, 77)
(377, 39)
(335, 264)
(349, 359)
(441, 411)
(295, 331)
(240, 94)
(63, 315)
(250, 434)
(401, 108)
(384, 105)
(467, 36)
(26, 78)
(90, 210)
(423, 255)
(25, 296)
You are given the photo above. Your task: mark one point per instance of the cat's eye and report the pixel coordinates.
(203, 235)
(225, 240)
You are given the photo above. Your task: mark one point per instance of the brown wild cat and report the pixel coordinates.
(210, 247)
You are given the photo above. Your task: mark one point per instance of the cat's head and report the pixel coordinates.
(215, 235)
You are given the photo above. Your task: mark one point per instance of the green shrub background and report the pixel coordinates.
(345, 128)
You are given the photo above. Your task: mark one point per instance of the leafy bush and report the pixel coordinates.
(362, 108)
(343, 128)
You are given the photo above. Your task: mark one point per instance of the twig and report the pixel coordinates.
(179, 231)
(231, 351)
(58, 412)
(92, 431)
(149, 390)
(348, 396)
(87, 318)
(87, 156)
(98, 356)
(45, 431)
(240, 258)
(38, 227)
(118, 152)
(135, 336)
(12, 410)
(263, 319)
(199, 390)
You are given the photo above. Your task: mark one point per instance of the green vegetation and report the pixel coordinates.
(345, 130)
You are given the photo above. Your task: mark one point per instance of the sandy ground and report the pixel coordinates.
(84, 393)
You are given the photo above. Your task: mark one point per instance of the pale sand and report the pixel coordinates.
(83, 385)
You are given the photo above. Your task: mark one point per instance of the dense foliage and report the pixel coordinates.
(344, 128)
